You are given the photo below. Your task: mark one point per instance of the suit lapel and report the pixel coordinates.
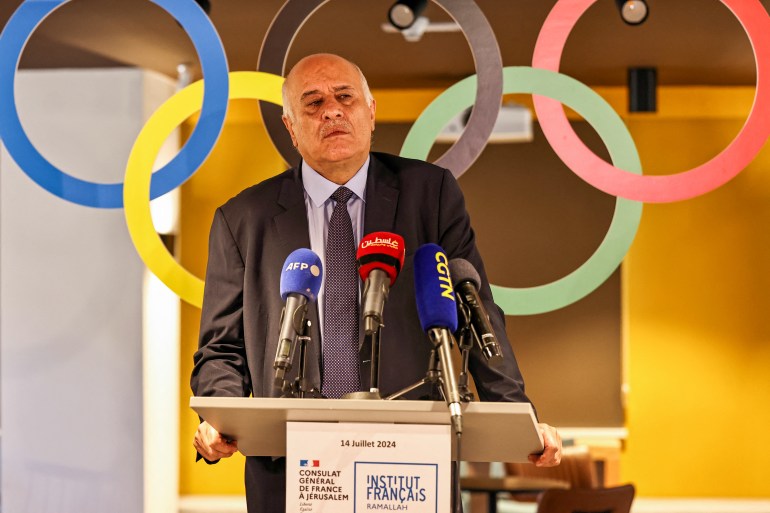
(379, 216)
(381, 198)
(292, 232)
(291, 223)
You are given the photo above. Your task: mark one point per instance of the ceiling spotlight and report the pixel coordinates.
(633, 12)
(404, 13)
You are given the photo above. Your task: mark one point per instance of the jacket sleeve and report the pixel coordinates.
(220, 367)
(502, 383)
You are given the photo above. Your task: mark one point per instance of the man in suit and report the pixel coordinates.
(329, 113)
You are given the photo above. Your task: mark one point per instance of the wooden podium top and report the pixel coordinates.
(491, 431)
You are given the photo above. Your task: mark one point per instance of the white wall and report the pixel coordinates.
(71, 303)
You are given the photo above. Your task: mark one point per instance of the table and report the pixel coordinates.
(510, 484)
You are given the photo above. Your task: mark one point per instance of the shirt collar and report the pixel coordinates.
(320, 189)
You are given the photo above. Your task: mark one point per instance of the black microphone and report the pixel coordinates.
(466, 284)
(300, 282)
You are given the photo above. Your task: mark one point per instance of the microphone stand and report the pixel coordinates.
(465, 343)
(373, 339)
(377, 280)
(300, 386)
(374, 386)
(440, 377)
(442, 341)
(437, 376)
(433, 376)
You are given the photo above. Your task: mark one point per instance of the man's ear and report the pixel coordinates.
(373, 108)
(289, 126)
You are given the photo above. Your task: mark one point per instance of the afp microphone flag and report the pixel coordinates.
(434, 294)
(301, 274)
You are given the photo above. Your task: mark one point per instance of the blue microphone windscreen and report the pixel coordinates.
(433, 289)
(301, 274)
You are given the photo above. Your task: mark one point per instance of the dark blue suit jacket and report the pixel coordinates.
(251, 236)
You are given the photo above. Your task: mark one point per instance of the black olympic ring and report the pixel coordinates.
(486, 57)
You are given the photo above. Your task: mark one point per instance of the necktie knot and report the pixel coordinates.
(342, 195)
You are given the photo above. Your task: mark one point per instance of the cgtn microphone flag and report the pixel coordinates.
(433, 290)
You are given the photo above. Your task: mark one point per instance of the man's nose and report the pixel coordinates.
(332, 111)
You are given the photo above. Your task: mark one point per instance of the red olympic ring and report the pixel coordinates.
(654, 189)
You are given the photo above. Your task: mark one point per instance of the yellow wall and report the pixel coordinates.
(696, 292)
(696, 302)
(242, 157)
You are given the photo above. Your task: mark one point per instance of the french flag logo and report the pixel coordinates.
(309, 463)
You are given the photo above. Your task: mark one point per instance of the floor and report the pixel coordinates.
(193, 504)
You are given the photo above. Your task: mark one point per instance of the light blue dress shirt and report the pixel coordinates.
(319, 207)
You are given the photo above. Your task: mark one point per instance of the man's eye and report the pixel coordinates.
(314, 103)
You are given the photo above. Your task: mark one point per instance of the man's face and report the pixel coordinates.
(332, 122)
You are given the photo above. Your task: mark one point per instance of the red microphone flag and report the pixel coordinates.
(381, 250)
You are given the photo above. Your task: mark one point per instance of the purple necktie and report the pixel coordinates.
(340, 341)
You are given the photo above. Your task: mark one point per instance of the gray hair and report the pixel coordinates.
(287, 105)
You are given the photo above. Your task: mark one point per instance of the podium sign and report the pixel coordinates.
(364, 467)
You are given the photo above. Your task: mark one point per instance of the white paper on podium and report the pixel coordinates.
(361, 467)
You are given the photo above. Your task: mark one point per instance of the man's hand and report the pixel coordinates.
(551, 455)
(211, 445)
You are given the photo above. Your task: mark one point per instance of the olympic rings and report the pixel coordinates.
(614, 134)
(136, 194)
(688, 184)
(486, 55)
(551, 89)
(213, 62)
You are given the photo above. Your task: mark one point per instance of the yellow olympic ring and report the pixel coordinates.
(253, 85)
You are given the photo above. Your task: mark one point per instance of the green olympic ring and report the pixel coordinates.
(616, 137)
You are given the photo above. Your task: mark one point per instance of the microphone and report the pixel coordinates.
(300, 282)
(380, 257)
(467, 284)
(437, 310)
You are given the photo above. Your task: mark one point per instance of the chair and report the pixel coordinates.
(491, 487)
(599, 500)
(525, 482)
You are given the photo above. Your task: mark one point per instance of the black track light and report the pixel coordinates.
(404, 13)
(633, 12)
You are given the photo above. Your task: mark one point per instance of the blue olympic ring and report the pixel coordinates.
(213, 63)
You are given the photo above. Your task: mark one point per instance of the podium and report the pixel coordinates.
(491, 431)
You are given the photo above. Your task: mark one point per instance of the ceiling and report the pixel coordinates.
(688, 41)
